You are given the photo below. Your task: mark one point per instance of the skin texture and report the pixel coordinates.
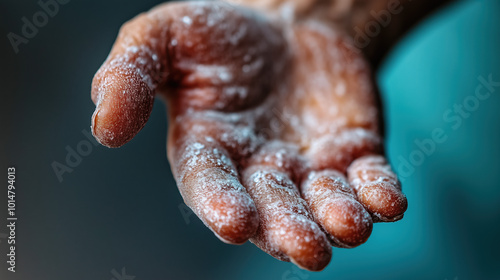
(274, 125)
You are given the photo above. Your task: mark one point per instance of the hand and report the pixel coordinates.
(274, 131)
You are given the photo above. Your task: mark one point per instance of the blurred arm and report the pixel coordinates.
(392, 17)
(374, 25)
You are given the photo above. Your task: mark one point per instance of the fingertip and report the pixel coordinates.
(317, 263)
(378, 188)
(349, 224)
(123, 105)
(384, 201)
(333, 204)
(287, 231)
(232, 216)
(303, 242)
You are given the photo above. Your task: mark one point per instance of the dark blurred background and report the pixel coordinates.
(119, 214)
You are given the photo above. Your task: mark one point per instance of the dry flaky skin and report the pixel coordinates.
(266, 116)
(287, 230)
(335, 207)
(378, 188)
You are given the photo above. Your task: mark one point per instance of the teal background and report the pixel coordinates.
(120, 207)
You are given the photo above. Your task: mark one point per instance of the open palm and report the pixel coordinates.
(274, 133)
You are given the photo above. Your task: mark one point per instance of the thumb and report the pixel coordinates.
(123, 88)
(208, 54)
